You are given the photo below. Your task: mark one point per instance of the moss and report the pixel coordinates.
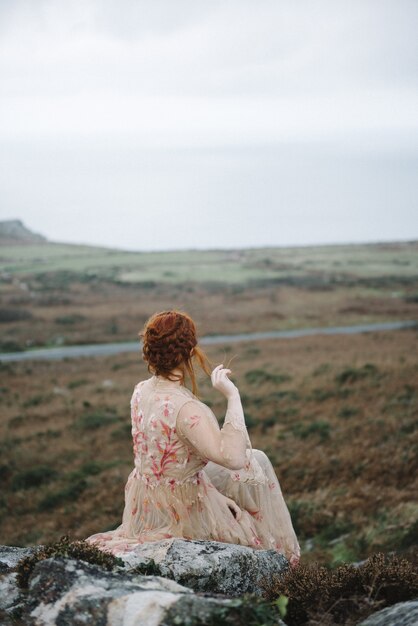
(149, 568)
(65, 547)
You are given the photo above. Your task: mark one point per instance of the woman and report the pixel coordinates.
(193, 479)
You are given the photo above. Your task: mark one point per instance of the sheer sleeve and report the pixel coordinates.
(199, 428)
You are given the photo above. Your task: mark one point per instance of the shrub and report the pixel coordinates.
(97, 419)
(321, 394)
(18, 420)
(250, 420)
(33, 477)
(65, 547)
(69, 319)
(290, 394)
(256, 377)
(323, 368)
(35, 400)
(268, 422)
(346, 594)
(10, 345)
(14, 315)
(320, 428)
(352, 374)
(70, 492)
(413, 298)
(78, 382)
(347, 411)
(123, 432)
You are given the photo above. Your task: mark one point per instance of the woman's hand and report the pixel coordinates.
(221, 382)
(231, 504)
(233, 507)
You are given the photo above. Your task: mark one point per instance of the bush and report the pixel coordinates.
(321, 394)
(250, 420)
(256, 377)
(123, 432)
(78, 382)
(352, 374)
(10, 345)
(97, 419)
(320, 428)
(14, 315)
(347, 411)
(68, 320)
(35, 400)
(33, 477)
(345, 595)
(70, 492)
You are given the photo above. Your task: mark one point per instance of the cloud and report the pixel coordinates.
(155, 124)
(199, 71)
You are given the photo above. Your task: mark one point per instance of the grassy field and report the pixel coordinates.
(337, 415)
(240, 266)
(53, 294)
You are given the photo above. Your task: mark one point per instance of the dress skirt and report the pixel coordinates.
(193, 510)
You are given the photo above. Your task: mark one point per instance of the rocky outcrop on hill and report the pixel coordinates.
(166, 582)
(158, 584)
(14, 231)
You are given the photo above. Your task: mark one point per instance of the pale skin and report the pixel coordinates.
(226, 387)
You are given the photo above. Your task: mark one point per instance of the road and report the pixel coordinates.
(107, 349)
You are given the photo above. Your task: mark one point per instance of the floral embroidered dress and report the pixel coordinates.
(186, 467)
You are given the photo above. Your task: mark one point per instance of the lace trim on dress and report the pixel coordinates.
(252, 472)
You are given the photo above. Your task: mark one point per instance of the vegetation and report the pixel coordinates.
(65, 547)
(337, 415)
(78, 300)
(344, 595)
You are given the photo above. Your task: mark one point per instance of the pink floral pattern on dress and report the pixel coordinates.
(193, 420)
(170, 494)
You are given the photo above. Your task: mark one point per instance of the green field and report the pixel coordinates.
(335, 263)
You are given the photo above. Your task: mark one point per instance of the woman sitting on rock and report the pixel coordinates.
(193, 479)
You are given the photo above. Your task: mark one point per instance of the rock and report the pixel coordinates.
(10, 595)
(14, 231)
(74, 593)
(197, 581)
(210, 566)
(10, 555)
(401, 614)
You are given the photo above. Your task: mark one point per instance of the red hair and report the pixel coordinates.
(170, 341)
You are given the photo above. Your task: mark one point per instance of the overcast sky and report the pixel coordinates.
(165, 124)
